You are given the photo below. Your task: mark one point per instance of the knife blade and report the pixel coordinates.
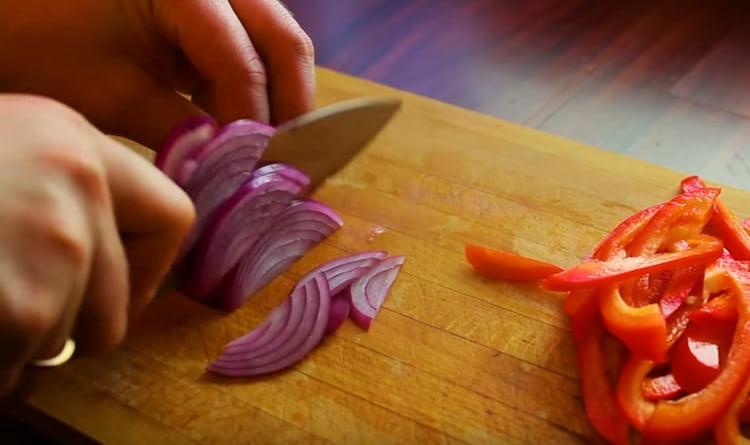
(321, 142)
(324, 140)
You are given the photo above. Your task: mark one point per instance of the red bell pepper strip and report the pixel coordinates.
(603, 273)
(734, 234)
(642, 329)
(630, 393)
(501, 265)
(681, 218)
(721, 309)
(663, 387)
(613, 245)
(690, 415)
(699, 354)
(682, 283)
(600, 403)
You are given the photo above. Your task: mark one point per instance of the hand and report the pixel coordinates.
(67, 194)
(119, 62)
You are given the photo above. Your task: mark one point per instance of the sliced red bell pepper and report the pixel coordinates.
(724, 223)
(681, 218)
(603, 273)
(663, 387)
(582, 307)
(613, 245)
(630, 393)
(722, 309)
(682, 283)
(700, 352)
(690, 415)
(642, 329)
(599, 399)
(501, 265)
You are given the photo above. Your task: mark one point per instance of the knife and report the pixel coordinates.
(322, 141)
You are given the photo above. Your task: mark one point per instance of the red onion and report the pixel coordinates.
(184, 140)
(292, 330)
(339, 312)
(215, 171)
(300, 227)
(370, 290)
(238, 223)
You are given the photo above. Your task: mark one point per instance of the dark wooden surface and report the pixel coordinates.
(663, 80)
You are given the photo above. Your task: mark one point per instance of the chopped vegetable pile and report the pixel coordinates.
(251, 225)
(667, 293)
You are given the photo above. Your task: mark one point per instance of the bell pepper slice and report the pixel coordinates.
(630, 393)
(727, 430)
(681, 218)
(720, 309)
(642, 329)
(501, 265)
(596, 273)
(724, 222)
(691, 415)
(679, 288)
(613, 245)
(600, 403)
(663, 387)
(699, 354)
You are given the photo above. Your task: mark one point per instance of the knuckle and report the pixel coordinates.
(255, 72)
(303, 44)
(30, 319)
(83, 169)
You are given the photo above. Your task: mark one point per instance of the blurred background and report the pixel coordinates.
(666, 81)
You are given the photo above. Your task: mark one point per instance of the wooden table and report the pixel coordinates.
(451, 358)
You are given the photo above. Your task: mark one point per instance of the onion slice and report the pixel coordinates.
(217, 170)
(370, 290)
(237, 225)
(293, 330)
(338, 313)
(296, 230)
(184, 141)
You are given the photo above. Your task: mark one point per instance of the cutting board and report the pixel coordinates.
(452, 357)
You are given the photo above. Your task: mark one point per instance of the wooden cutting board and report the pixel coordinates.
(450, 358)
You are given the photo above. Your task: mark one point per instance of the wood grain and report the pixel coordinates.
(660, 80)
(452, 358)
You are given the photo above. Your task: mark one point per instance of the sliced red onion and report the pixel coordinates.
(296, 230)
(187, 138)
(222, 165)
(370, 290)
(286, 170)
(342, 272)
(236, 226)
(302, 318)
(339, 312)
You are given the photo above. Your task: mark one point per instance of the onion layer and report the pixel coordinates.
(237, 225)
(183, 142)
(370, 290)
(299, 228)
(291, 331)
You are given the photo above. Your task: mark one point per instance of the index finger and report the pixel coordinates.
(216, 43)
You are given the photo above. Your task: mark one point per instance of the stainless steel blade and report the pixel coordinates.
(322, 141)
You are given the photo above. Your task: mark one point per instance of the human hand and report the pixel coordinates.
(119, 62)
(88, 229)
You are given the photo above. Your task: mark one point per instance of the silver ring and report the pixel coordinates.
(63, 356)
